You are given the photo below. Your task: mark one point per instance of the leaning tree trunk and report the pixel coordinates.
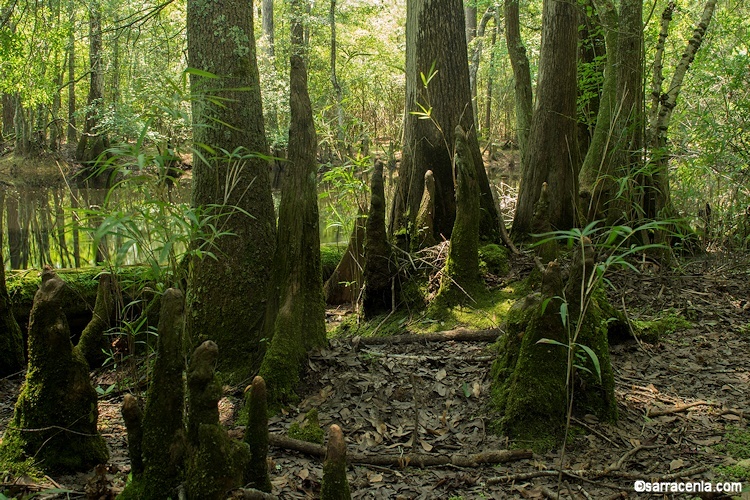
(93, 143)
(298, 288)
(521, 73)
(551, 155)
(658, 201)
(227, 296)
(436, 52)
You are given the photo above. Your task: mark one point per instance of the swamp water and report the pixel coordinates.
(68, 226)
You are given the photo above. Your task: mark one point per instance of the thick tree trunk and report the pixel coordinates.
(519, 61)
(380, 268)
(617, 141)
(552, 155)
(487, 126)
(436, 42)
(227, 297)
(297, 282)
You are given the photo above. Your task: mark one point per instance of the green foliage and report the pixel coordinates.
(736, 444)
(654, 330)
(494, 259)
(343, 196)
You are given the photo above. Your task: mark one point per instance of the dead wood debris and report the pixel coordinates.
(406, 459)
(457, 335)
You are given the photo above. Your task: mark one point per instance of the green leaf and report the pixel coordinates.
(594, 360)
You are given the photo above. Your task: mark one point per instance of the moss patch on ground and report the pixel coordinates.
(654, 330)
(736, 444)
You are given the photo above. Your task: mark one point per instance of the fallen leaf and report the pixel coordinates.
(303, 474)
(426, 446)
(676, 464)
(375, 478)
(441, 374)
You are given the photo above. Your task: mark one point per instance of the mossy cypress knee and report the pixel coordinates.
(256, 436)
(461, 278)
(335, 484)
(380, 267)
(93, 342)
(57, 403)
(133, 417)
(164, 442)
(217, 463)
(11, 339)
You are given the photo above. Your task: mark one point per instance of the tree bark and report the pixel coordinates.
(342, 147)
(72, 136)
(552, 155)
(11, 340)
(297, 281)
(436, 41)
(617, 141)
(227, 297)
(92, 143)
(519, 61)
(658, 201)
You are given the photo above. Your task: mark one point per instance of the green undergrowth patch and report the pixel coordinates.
(736, 445)
(486, 310)
(330, 255)
(652, 331)
(309, 430)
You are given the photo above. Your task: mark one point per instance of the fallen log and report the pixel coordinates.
(403, 460)
(457, 335)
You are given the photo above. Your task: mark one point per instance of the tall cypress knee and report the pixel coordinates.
(380, 267)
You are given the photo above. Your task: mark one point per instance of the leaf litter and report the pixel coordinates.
(677, 398)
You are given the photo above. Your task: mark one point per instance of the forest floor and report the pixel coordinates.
(682, 402)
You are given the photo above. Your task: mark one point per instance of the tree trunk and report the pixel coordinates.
(486, 128)
(436, 53)
(617, 141)
(342, 146)
(11, 340)
(521, 74)
(297, 280)
(552, 155)
(344, 285)
(92, 143)
(72, 136)
(227, 297)
(658, 202)
(470, 15)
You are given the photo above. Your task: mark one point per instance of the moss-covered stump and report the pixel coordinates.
(380, 267)
(164, 441)
(529, 376)
(217, 463)
(493, 259)
(133, 417)
(256, 436)
(93, 342)
(56, 413)
(335, 485)
(461, 279)
(11, 340)
(425, 221)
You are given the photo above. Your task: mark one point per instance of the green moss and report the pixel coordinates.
(736, 444)
(529, 389)
(310, 430)
(652, 331)
(217, 465)
(494, 259)
(57, 394)
(330, 256)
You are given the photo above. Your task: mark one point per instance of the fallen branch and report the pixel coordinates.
(652, 412)
(407, 459)
(458, 335)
